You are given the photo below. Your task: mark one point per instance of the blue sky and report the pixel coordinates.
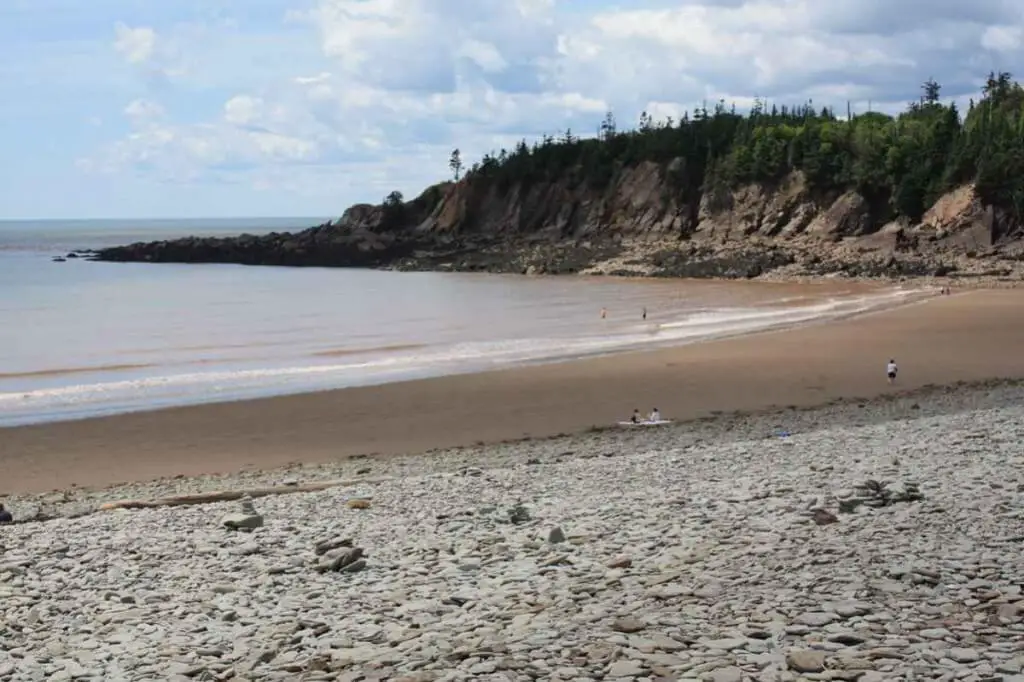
(195, 108)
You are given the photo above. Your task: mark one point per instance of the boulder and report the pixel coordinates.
(806, 661)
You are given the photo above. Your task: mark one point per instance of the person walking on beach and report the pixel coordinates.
(890, 371)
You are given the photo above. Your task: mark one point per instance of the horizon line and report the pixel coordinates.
(162, 218)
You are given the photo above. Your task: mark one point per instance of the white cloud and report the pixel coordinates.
(136, 45)
(313, 80)
(243, 110)
(143, 111)
(397, 83)
(485, 55)
(176, 152)
(167, 54)
(1003, 38)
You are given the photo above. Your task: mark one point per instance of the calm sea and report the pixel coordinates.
(80, 338)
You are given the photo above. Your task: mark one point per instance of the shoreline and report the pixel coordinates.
(943, 340)
(846, 302)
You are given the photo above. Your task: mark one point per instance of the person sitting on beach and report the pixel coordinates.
(636, 418)
(5, 516)
(655, 415)
(890, 371)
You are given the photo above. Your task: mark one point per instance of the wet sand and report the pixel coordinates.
(966, 337)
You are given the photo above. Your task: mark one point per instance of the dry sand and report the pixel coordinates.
(971, 336)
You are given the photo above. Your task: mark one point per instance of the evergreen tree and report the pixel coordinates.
(394, 209)
(455, 163)
(906, 161)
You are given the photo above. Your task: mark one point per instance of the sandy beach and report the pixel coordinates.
(965, 337)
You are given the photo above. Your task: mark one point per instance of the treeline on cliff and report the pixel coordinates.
(903, 162)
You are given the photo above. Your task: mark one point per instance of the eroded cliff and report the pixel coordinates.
(637, 224)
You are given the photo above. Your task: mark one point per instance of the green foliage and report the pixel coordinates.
(908, 160)
(394, 209)
(455, 163)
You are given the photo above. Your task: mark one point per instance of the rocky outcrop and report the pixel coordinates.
(638, 224)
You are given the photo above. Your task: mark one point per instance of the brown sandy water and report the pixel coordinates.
(91, 339)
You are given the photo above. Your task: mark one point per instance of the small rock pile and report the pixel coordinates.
(339, 555)
(519, 514)
(876, 494)
(246, 519)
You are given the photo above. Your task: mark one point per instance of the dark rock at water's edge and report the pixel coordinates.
(319, 246)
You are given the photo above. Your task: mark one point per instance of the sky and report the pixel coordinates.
(226, 108)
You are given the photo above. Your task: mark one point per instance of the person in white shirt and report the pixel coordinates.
(890, 371)
(655, 415)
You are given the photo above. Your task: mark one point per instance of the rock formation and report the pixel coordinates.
(636, 226)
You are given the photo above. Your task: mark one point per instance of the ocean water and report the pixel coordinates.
(81, 338)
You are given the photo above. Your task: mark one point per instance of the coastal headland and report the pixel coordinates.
(777, 192)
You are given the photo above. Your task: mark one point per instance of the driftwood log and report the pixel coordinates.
(231, 495)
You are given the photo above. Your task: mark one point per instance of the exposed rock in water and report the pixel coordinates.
(636, 225)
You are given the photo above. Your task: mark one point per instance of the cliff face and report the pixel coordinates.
(637, 224)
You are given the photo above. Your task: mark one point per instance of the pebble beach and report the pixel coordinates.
(861, 540)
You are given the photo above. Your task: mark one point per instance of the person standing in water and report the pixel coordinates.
(645, 312)
(604, 313)
(890, 371)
